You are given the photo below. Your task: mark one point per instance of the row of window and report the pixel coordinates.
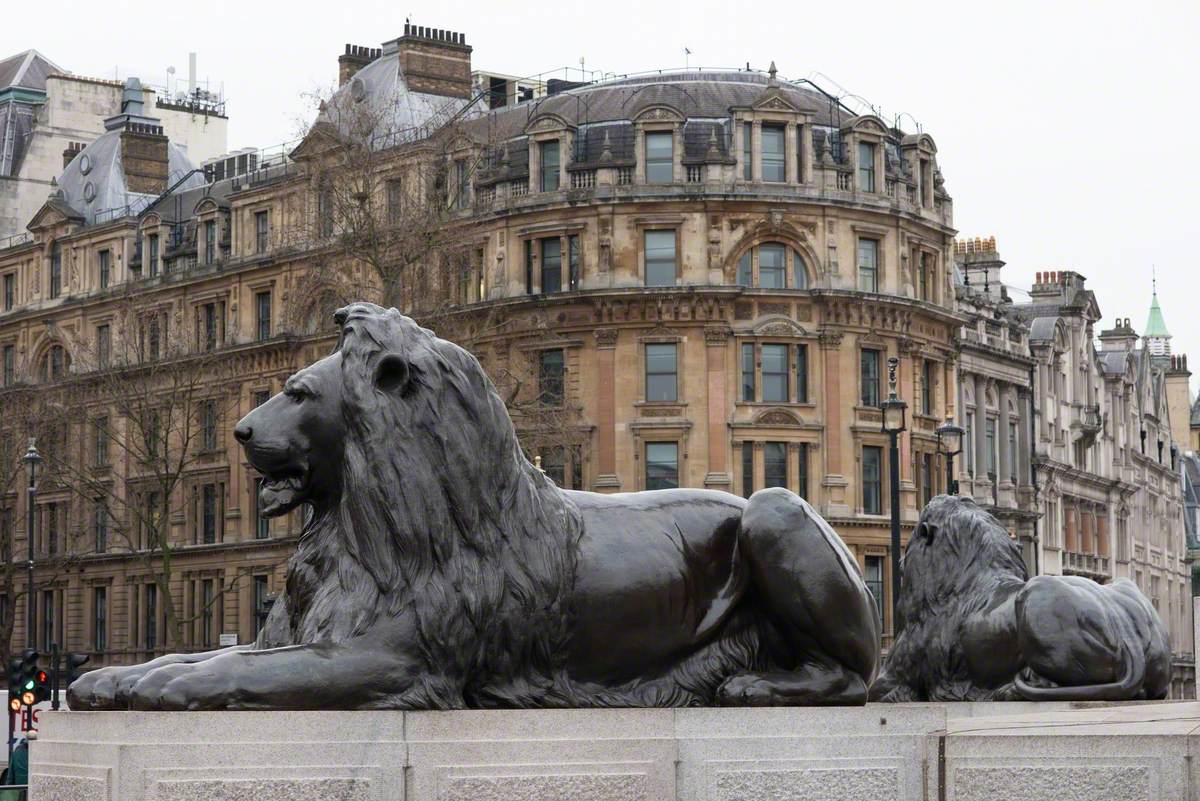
(986, 464)
(771, 372)
(55, 363)
(145, 624)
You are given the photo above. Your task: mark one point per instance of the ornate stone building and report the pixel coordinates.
(705, 274)
(1107, 469)
(47, 115)
(995, 409)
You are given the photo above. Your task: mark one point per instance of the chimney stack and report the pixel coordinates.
(434, 61)
(355, 58)
(73, 150)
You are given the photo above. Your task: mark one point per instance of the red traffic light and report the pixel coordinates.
(42, 677)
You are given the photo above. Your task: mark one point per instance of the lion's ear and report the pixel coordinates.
(392, 373)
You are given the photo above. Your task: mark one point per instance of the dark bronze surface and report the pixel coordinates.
(974, 627)
(440, 570)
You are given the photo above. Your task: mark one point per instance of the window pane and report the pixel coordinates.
(775, 464)
(744, 276)
(550, 377)
(868, 265)
(873, 575)
(772, 266)
(773, 168)
(552, 265)
(870, 378)
(748, 372)
(775, 373)
(549, 152)
(660, 166)
(660, 258)
(872, 458)
(660, 372)
(799, 273)
(662, 465)
(866, 167)
(802, 373)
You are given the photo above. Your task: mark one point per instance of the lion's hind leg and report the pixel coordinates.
(810, 592)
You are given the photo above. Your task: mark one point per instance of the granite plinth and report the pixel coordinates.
(898, 752)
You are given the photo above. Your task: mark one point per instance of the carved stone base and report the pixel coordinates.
(772, 754)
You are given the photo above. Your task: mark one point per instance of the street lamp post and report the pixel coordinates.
(950, 439)
(31, 458)
(893, 423)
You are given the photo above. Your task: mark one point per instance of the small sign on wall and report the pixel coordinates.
(227, 640)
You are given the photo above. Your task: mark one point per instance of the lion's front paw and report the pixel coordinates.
(746, 689)
(101, 689)
(180, 687)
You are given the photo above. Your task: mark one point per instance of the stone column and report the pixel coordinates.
(717, 342)
(805, 138)
(834, 481)
(756, 151)
(1024, 445)
(980, 431)
(1005, 457)
(606, 410)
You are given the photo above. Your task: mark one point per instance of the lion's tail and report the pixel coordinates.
(1122, 690)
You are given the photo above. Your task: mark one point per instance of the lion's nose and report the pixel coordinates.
(243, 433)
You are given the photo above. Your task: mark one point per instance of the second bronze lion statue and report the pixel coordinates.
(439, 569)
(974, 627)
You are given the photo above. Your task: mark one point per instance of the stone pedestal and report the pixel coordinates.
(874, 753)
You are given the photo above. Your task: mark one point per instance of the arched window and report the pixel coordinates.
(54, 364)
(769, 263)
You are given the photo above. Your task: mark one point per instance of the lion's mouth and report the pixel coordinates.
(281, 494)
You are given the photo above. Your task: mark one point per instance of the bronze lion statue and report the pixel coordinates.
(975, 627)
(439, 569)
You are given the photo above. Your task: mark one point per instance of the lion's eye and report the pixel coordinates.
(297, 394)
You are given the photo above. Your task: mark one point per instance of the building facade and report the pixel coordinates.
(996, 407)
(47, 115)
(1107, 469)
(705, 275)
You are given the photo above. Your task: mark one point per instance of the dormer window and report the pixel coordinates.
(152, 247)
(774, 163)
(550, 164)
(660, 157)
(866, 167)
(210, 241)
(105, 268)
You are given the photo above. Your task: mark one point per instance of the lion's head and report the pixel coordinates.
(954, 546)
(421, 496)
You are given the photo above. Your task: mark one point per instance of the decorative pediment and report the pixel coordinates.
(658, 112)
(777, 417)
(321, 138)
(660, 332)
(546, 123)
(151, 220)
(922, 141)
(208, 205)
(779, 327)
(866, 123)
(55, 211)
(774, 99)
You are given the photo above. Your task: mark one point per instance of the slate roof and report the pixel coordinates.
(27, 70)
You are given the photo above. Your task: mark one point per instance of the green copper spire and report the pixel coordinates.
(1156, 327)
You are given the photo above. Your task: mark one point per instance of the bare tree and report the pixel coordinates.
(152, 406)
(28, 415)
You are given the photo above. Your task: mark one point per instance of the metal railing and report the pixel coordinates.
(15, 240)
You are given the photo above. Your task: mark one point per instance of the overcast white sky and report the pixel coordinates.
(1063, 128)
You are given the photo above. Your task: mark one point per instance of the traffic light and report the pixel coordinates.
(41, 690)
(74, 662)
(31, 679)
(14, 685)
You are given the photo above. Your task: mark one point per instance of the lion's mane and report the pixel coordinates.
(958, 561)
(441, 520)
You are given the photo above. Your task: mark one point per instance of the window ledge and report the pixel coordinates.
(642, 403)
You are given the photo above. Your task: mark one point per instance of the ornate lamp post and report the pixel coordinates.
(31, 458)
(950, 439)
(893, 423)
